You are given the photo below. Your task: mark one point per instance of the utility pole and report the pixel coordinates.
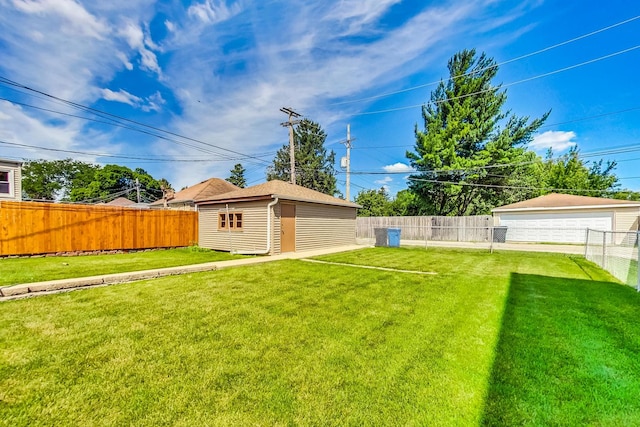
(348, 145)
(292, 153)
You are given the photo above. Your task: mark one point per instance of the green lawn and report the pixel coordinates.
(28, 270)
(494, 339)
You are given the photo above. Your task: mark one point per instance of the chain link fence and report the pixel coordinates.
(616, 252)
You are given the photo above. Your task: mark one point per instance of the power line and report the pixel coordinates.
(626, 21)
(580, 119)
(147, 159)
(507, 187)
(408, 107)
(6, 81)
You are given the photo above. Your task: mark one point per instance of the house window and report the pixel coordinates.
(231, 221)
(5, 182)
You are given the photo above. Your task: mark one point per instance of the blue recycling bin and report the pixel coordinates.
(394, 237)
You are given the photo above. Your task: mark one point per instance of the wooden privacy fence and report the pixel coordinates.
(41, 228)
(446, 228)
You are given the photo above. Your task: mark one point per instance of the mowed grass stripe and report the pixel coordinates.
(395, 270)
(290, 343)
(14, 271)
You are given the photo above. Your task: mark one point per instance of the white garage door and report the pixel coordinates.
(555, 228)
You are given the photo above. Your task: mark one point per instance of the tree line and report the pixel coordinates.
(470, 156)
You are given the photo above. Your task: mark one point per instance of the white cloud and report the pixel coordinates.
(558, 141)
(135, 37)
(150, 103)
(299, 64)
(120, 96)
(384, 181)
(212, 11)
(122, 57)
(18, 127)
(358, 13)
(398, 168)
(76, 48)
(229, 80)
(79, 20)
(154, 102)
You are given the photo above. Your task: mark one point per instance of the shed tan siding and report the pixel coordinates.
(16, 186)
(253, 236)
(323, 226)
(626, 219)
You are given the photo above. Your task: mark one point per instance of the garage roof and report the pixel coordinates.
(555, 201)
(279, 189)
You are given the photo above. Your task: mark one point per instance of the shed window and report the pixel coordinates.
(231, 221)
(5, 182)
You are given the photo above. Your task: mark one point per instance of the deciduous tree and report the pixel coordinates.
(571, 174)
(53, 179)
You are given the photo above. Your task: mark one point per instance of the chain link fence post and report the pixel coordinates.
(637, 261)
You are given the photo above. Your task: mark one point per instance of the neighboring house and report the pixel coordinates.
(275, 217)
(126, 203)
(10, 180)
(563, 218)
(187, 198)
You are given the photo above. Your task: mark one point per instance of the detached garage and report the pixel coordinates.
(273, 218)
(564, 218)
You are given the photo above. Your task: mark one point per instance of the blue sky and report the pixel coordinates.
(217, 72)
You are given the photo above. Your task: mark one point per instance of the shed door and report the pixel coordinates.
(554, 227)
(288, 228)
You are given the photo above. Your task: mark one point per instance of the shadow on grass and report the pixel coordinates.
(568, 354)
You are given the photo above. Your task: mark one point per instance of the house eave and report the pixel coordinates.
(565, 208)
(237, 200)
(344, 204)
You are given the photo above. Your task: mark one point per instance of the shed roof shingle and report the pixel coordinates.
(121, 201)
(556, 200)
(282, 190)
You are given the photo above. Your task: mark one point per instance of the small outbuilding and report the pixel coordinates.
(273, 218)
(564, 218)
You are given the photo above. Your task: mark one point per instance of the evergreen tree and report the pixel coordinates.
(314, 166)
(237, 176)
(464, 157)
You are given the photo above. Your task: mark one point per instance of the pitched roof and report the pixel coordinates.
(201, 191)
(281, 190)
(121, 201)
(566, 201)
(11, 162)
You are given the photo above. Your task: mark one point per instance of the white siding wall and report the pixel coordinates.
(16, 174)
(253, 236)
(324, 226)
(626, 219)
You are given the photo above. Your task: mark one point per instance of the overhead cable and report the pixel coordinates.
(548, 48)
